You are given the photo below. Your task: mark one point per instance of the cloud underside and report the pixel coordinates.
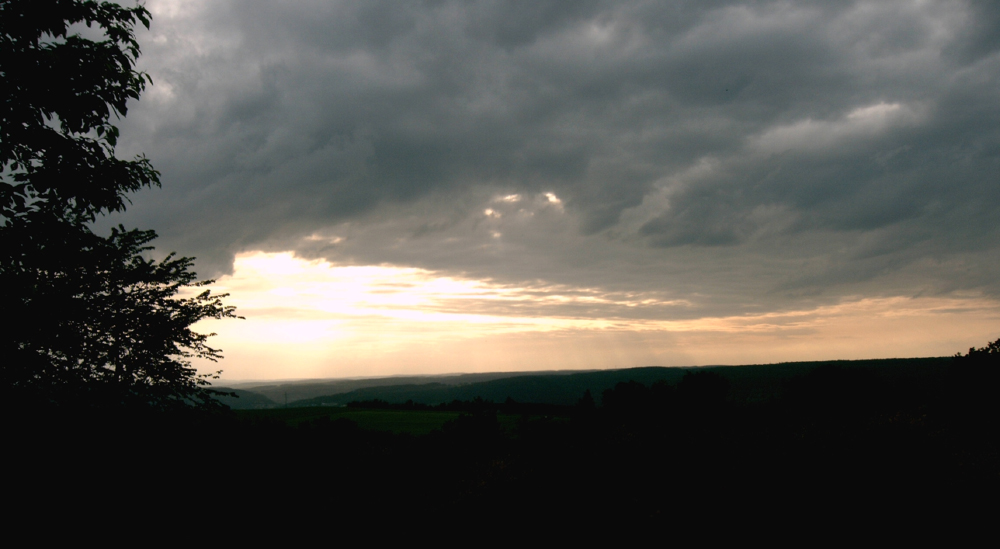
(743, 158)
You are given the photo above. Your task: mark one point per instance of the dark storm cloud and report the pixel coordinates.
(728, 149)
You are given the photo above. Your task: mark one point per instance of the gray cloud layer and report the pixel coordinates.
(757, 155)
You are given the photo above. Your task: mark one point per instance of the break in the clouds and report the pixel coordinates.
(742, 157)
(317, 319)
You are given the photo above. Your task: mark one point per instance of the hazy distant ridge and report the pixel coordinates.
(748, 383)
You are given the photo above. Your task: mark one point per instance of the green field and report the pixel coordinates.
(396, 421)
(414, 422)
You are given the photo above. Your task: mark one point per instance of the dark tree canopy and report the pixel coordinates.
(59, 94)
(974, 379)
(93, 322)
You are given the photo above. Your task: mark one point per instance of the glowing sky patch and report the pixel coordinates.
(317, 319)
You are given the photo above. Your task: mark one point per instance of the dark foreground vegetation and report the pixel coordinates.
(839, 435)
(110, 430)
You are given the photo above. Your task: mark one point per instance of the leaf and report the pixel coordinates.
(97, 324)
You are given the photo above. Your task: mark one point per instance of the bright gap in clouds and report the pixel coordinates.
(308, 319)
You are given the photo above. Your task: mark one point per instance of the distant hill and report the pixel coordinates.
(748, 383)
(245, 400)
(310, 388)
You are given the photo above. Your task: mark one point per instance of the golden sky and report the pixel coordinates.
(313, 319)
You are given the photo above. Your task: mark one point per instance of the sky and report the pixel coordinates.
(464, 186)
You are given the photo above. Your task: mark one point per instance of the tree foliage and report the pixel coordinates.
(974, 379)
(59, 93)
(93, 321)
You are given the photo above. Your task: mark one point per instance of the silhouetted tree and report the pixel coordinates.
(983, 362)
(974, 378)
(90, 319)
(626, 398)
(703, 388)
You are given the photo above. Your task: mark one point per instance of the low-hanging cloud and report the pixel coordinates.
(754, 155)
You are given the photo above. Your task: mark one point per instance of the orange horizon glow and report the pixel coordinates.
(315, 319)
